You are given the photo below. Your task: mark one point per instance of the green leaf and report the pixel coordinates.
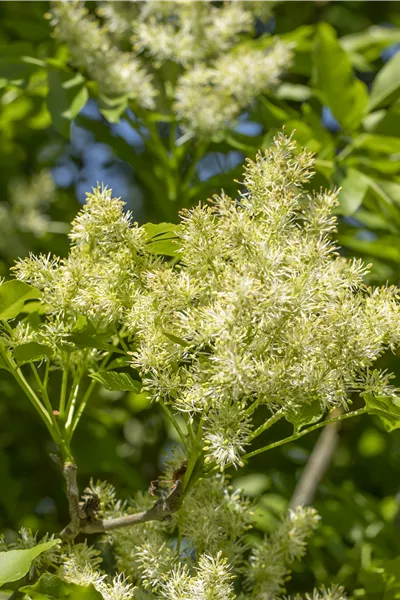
(253, 484)
(16, 62)
(386, 248)
(354, 187)
(162, 239)
(161, 229)
(52, 587)
(308, 414)
(387, 408)
(386, 84)
(335, 81)
(119, 382)
(382, 583)
(13, 295)
(14, 564)
(67, 96)
(374, 37)
(113, 108)
(31, 352)
(377, 143)
(86, 340)
(176, 339)
(294, 92)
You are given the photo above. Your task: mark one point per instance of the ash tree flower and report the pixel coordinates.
(217, 75)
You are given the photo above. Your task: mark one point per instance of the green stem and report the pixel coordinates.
(63, 394)
(268, 423)
(46, 399)
(24, 385)
(85, 400)
(199, 152)
(191, 432)
(296, 436)
(173, 422)
(121, 340)
(196, 451)
(71, 404)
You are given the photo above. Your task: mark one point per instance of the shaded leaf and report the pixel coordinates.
(85, 340)
(67, 96)
(119, 382)
(31, 352)
(387, 408)
(14, 564)
(13, 295)
(308, 414)
(176, 339)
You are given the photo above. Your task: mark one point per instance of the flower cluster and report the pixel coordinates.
(212, 553)
(270, 561)
(260, 310)
(92, 49)
(217, 76)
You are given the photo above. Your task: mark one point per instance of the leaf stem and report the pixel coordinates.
(63, 393)
(85, 399)
(174, 422)
(70, 410)
(296, 436)
(268, 423)
(46, 399)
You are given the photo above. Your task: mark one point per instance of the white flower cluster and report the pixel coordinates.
(98, 278)
(92, 49)
(216, 76)
(210, 97)
(269, 563)
(80, 565)
(260, 310)
(212, 554)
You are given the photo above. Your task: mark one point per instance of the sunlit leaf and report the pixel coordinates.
(354, 186)
(386, 84)
(14, 564)
(13, 295)
(335, 81)
(53, 587)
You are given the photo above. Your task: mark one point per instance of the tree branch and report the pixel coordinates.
(81, 522)
(73, 528)
(158, 512)
(316, 466)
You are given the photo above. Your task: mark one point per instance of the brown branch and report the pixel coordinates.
(82, 522)
(316, 466)
(164, 507)
(72, 529)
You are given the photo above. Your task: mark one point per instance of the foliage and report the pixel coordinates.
(342, 55)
